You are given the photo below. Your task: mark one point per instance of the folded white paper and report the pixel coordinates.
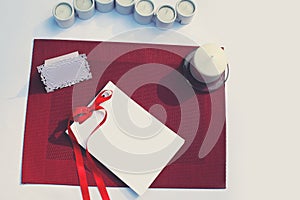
(63, 71)
(132, 144)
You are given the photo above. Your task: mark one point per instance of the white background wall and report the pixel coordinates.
(262, 42)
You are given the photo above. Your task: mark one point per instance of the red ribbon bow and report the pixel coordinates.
(80, 115)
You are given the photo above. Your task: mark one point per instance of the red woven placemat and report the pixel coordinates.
(47, 153)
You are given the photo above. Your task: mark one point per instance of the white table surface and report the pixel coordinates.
(262, 42)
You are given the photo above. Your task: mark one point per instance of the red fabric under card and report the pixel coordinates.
(47, 153)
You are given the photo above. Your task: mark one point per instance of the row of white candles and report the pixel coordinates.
(143, 11)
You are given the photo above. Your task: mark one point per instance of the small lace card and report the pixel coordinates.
(64, 71)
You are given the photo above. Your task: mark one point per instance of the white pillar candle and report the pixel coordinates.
(208, 63)
(85, 9)
(185, 11)
(105, 5)
(64, 15)
(165, 16)
(124, 7)
(144, 11)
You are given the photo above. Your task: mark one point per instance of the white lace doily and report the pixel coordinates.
(64, 71)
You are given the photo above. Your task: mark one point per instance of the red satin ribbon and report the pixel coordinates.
(80, 115)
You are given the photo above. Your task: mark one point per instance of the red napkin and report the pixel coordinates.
(47, 154)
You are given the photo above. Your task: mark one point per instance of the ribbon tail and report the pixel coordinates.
(101, 123)
(79, 165)
(97, 176)
(96, 173)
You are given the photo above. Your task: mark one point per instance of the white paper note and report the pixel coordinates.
(132, 144)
